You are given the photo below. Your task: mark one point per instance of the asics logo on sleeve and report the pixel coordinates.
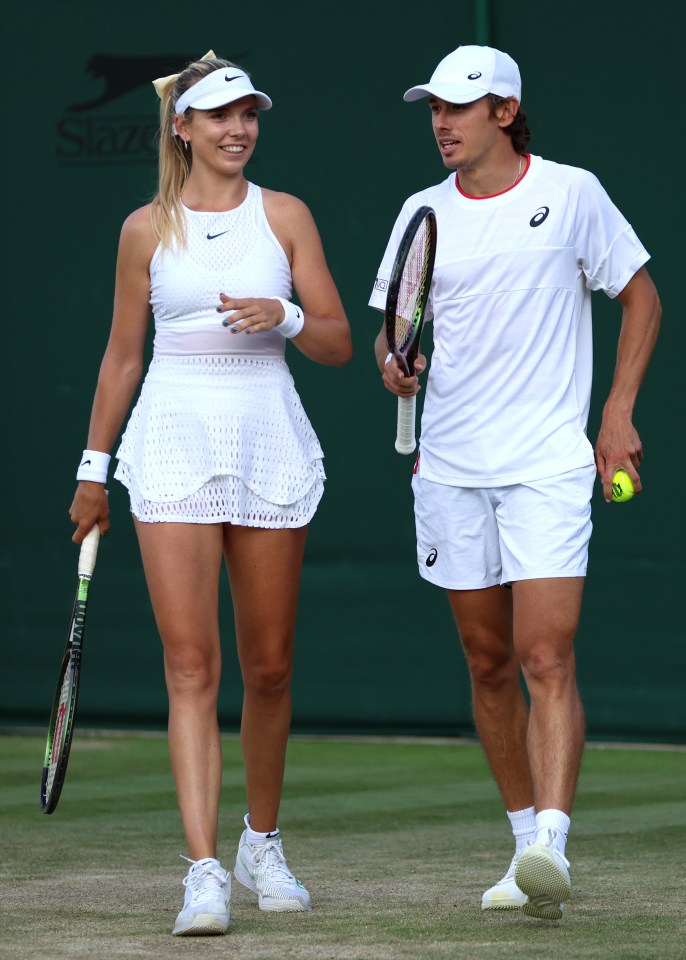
(540, 215)
(213, 236)
(474, 76)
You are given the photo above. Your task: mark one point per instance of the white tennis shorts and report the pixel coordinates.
(471, 538)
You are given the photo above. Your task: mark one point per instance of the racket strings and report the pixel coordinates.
(412, 286)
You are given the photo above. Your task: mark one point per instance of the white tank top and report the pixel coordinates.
(233, 252)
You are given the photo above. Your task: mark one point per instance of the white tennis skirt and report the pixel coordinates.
(221, 439)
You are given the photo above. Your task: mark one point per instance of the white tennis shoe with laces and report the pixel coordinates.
(206, 904)
(262, 868)
(505, 894)
(542, 873)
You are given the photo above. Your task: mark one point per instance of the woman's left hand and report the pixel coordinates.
(252, 315)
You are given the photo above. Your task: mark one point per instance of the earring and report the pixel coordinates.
(185, 144)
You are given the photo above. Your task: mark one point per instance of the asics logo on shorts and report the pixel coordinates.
(433, 556)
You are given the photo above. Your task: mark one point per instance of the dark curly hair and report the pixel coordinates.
(518, 129)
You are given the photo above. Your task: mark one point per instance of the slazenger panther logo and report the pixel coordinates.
(540, 215)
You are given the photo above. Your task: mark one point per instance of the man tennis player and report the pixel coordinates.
(503, 482)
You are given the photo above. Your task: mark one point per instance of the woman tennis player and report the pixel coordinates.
(219, 458)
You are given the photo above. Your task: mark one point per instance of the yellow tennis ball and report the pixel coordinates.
(622, 487)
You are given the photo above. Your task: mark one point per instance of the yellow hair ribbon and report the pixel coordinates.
(162, 83)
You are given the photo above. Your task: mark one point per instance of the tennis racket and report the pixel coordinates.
(408, 292)
(67, 690)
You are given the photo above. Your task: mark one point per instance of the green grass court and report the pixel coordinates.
(396, 842)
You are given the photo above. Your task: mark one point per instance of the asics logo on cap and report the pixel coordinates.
(474, 76)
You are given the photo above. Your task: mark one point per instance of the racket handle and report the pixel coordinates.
(89, 550)
(405, 440)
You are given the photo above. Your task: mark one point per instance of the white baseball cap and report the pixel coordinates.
(219, 88)
(468, 73)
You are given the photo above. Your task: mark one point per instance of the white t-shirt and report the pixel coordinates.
(509, 387)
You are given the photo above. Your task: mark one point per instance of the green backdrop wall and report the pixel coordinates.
(600, 89)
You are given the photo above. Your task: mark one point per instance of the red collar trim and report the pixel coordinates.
(490, 196)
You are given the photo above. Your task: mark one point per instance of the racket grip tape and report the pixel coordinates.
(89, 551)
(405, 439)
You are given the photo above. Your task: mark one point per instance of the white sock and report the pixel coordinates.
(254, 836)
(552, 827)
(203, 862)
(523, 823)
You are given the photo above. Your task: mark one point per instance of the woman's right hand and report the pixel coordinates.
(90, 506)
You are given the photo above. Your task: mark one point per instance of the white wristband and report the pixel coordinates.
(293, 321)
(93, 466)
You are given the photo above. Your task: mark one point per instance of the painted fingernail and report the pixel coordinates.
(225, 323)
(234, 329)
(218, 309)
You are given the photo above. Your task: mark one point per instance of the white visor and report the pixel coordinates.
(219, 88)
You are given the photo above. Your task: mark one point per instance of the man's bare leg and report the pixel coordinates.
(501, 714)
(484, 621)
(546, 615)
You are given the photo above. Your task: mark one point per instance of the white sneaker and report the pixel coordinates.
(505, 894)
(206, 909)
(262, 868)
(542, 873)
